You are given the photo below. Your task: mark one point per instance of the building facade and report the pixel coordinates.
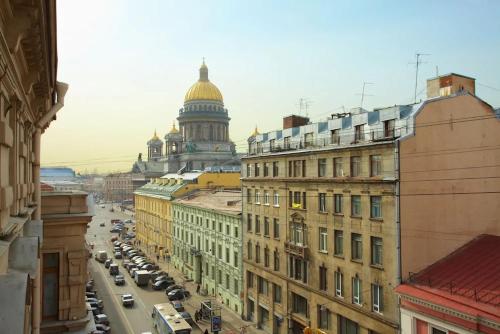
(153, 210)
(30, 97)
(319, 242)
(207, 243)
(64, 263)
(118, 187)
(202, 139)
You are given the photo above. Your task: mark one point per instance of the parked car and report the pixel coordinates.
(107, 263)
(131, 266)
(94, 305)
(160, 285)
(179, 294)
(128, 221)
(91, 294)
(116, 243)
(186, 316)
(127, 300)
(101, 319)
(132, 272)
(118, 255)
(173, 287)
(125, 264)
(147, 266)
(113, 269)
(98, 302)
(161, 278)
(114, 238)
(119, 280)
(102, 224)
(103, 328)
(177, 304)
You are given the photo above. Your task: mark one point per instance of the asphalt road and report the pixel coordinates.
(136, 319)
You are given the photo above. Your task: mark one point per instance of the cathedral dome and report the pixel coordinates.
(203, 89)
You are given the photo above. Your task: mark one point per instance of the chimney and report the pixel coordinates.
(449, 84)
(293, 121)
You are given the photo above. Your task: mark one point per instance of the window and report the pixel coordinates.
(50, 306)
(356, 246)
(276, 199)
(249, 196)
(347, 326)
(376, 207)
(389, 126)
(321, 167)
(323, 239)
(339, 242)
(236, 232)
(236, 290)
(356, 206)
(227, 230)
(299, 305)
(236, 259)
(277, 293)
(286, 142)
(213, 248)
(308, 139)
(377, 298)
(339, 284)
(335, 136)
(227, 281)
(257, 224)
(249, 169)
(266, 197)
(435, 330)
(249, 222)
(276, 258)
(228, 260)
(359, 132)
(249, 279)
(266, 226)
(262, 285)
(275, 169)
(219, 277)
(375, 165)
(249, 250)
(272, 144)
(298, 269)
(295, 200)
(322, 278)
(266, 257)
(213, 273)
(338, 167)
(322, 202)
(356, 291)
(219, 251)
(323, 317)
(257, 196)
(266, 169)
(355, 166)
(297, 231)
(220, 226)
(257, 253)
(304, 200)
(376, 251)
(257, 169)
(338, 203)
(276, 228)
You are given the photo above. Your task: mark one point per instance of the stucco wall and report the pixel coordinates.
(450, 179)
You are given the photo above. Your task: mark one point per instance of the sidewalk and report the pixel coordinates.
(231, 321)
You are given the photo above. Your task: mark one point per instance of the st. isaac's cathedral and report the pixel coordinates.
(202, 140)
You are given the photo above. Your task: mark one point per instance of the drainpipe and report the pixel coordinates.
(398, 224)
(61, 89)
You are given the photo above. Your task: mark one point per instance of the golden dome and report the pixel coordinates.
(155, 137)
(203, 89)
(174, 129)
(255, 132)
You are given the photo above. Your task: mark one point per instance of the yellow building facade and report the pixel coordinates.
(153, 205)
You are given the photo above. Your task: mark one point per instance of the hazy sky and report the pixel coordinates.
(129, 63)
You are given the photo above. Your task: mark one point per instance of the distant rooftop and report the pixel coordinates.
(227, 201)
(49, 172)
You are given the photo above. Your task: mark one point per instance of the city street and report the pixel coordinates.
(123, 320)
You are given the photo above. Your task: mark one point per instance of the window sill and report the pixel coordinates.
(266, 236)
(377, 266)
(356, 217)
(339, 256)
(323, 212)
(357, 261)
(278, 239)
(276, 206)
(266, 204)
(377, 220)
(338, 214)
(323, 252)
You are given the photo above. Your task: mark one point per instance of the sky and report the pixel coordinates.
(129, 64)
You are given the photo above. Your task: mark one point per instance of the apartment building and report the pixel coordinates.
(319, 210)
(153, 205)
(118, 187)
(207, 243)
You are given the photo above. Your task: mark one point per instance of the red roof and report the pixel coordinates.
(467, 280)
(46, 187)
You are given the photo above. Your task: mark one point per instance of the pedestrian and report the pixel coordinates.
(206, 331)
(157, 258)
(198, 289)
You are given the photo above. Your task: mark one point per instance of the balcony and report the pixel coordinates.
(301, 251)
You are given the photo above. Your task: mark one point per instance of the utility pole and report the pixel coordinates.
(363, 92)
(417, 65)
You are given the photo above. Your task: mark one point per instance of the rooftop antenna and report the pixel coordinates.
(304, 104)
(363, 92)
(437, 71)
(417, 65)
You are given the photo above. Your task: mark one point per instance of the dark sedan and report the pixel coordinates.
(178, 294)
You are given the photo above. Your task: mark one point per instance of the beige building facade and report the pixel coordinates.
(118, 187)
(319, 242)
(30, 97)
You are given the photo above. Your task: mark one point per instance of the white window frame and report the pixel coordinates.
(323, 239)
(377, 298)
(322, 202)
(257, 196)
(266, 197)
(339, 284)
(276, 199)
(357, 298)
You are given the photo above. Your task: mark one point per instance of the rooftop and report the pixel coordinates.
(467, 280)
(227, 201)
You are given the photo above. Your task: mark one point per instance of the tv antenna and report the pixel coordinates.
(304, 104)
(417, 63)
(363, 94)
